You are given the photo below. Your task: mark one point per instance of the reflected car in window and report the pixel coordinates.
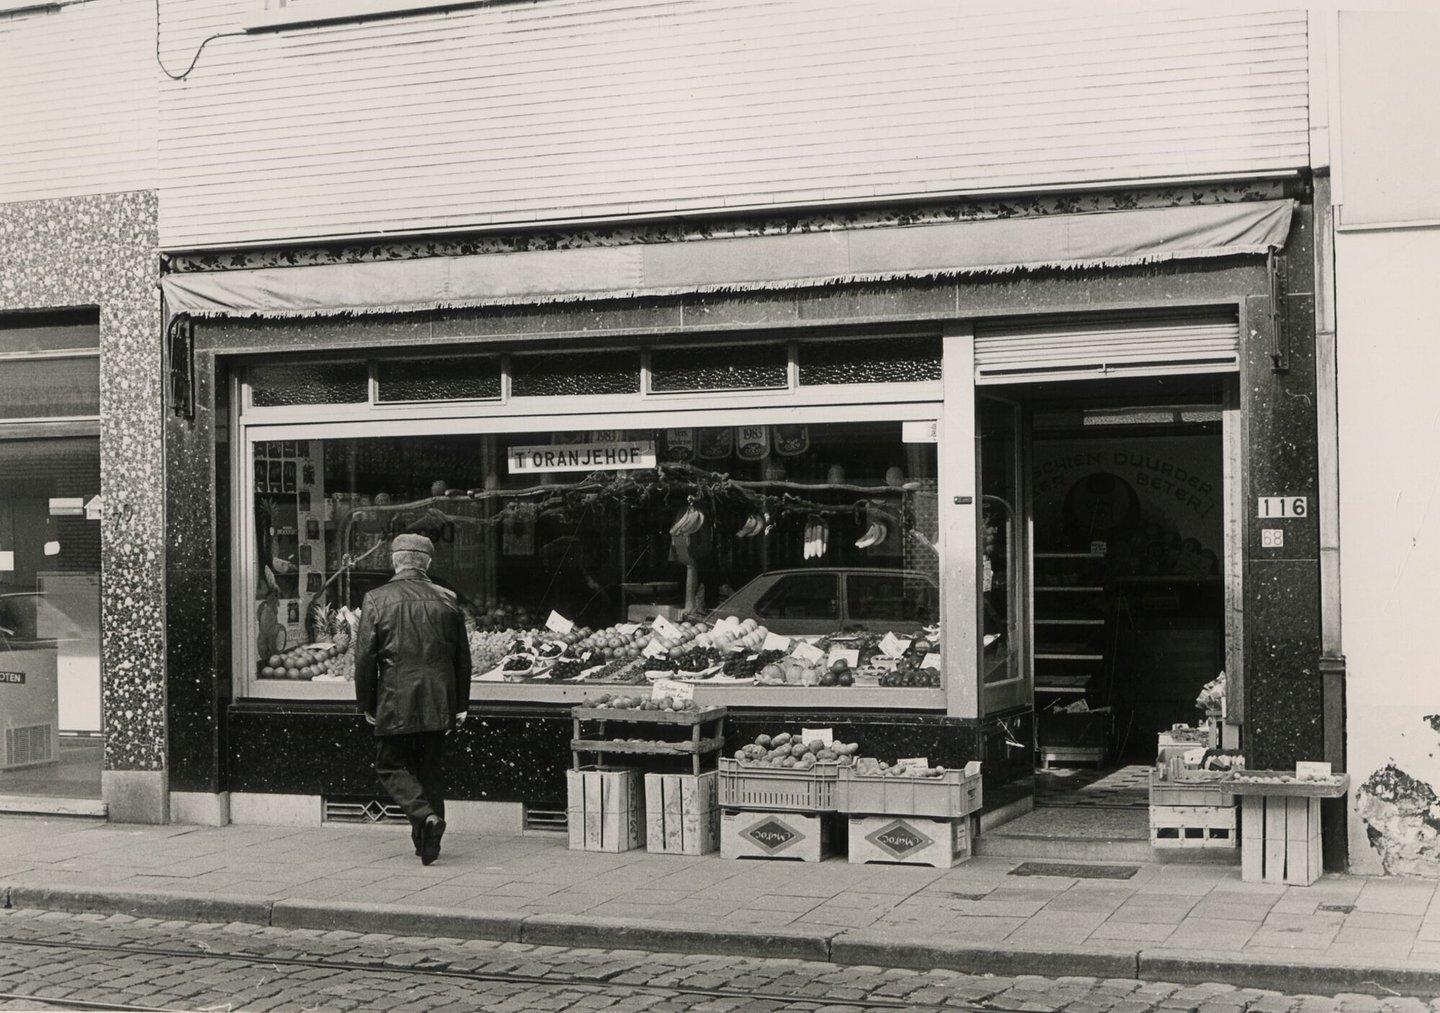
(820, 600)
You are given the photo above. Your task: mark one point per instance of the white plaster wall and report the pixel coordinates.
(1388, 335)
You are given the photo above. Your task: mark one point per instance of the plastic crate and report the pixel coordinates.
(743, 786)
(954, 793)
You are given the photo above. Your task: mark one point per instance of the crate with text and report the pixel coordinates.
(777, 835)
(682, 813)
(605, 809)
(909, 840)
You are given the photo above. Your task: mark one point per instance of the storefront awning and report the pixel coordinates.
(951, 249)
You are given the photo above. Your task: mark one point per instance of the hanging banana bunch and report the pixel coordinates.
(817, 536)
(876, 533)
(690, 520)
(755, 524)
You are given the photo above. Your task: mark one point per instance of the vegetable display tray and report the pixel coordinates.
(954, 793)
(778, 788)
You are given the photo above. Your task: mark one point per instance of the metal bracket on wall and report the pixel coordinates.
(1279, 317)
(180, 350)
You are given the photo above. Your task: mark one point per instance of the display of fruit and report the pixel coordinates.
(487, 649)
(517, 664)
(660, 663)
(755, 524)
(789, 752)
(690, 520)
(733, 634)
(874, 534)
(302, 662)
(567, 668)
(697, 659)
(747, 666)
(644, 703)
(817, 536)
(913, 677)
(870, 766)
(498, 614)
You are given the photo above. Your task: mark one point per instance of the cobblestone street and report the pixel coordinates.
(125, 962)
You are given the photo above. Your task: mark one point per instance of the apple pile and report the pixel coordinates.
(640, 703)
(791, 752)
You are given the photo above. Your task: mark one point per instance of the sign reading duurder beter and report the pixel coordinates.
(621, 456)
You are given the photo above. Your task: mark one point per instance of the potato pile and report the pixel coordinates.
(790, 751)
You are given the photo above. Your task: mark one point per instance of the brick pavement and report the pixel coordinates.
(1173, 922)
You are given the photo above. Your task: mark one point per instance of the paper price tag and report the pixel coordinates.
(932, 660)
(558, 623)
(627, 628)
(775, 642)
(913, 761)
(665, 626)
(654, 649)
(671, 688)
(1311, 770)
(849, 655)
(808, 652)
(729, 622)
(825, 735)
(893, 645)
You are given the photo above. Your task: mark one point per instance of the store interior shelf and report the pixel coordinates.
(647, 748)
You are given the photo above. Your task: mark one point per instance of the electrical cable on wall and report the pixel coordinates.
(194, 60)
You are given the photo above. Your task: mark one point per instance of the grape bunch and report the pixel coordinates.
(567, 668)
(740, 666)
(660, 663)
(698, 659)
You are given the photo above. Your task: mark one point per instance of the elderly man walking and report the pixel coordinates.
(412, 682)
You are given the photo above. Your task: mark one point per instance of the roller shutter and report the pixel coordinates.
(1073, 348)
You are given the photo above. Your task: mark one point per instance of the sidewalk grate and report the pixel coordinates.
(361, 810)
(548, 817)
(1074, 871)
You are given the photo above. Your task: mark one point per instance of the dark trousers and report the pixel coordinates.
(410, 770)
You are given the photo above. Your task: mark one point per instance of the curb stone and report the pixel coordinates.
(392, 919)
(1297, 975)
(142, 904)
(889, 950)
(618, 933)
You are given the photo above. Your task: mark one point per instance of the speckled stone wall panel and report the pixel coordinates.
(101, 250)
(1284, 707)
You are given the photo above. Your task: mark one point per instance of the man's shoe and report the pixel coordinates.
(417, 836)
(430, 846)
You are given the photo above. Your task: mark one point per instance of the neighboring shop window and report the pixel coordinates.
(723, 554)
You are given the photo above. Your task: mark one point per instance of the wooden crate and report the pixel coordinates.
(1280, 839)
(682, 813)
(1192, 826)
(605, 810)
(1200, 791)
(909, 840)
(796, 836)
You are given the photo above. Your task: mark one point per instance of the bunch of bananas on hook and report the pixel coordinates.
(876, 533)
(691, 520)
(817, 536)
(755, 524)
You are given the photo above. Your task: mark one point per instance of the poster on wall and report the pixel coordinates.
(680, 445)
(715, 443)
(752, 443)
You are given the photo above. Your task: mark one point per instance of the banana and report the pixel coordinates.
(689, 522)
(822, 542)
(874, 535)
(752, 526)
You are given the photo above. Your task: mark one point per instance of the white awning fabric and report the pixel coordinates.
(952, 249)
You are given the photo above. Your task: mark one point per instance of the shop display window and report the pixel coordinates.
(798, 555)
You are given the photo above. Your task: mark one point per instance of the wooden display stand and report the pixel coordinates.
(782, 835)
(604, 810)
(706, 727)
(910, 840)
(1280, 825)
(682, 813)
(1192, 826)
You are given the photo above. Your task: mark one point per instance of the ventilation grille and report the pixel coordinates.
(352, 809)
(28, 745)
(549, 817)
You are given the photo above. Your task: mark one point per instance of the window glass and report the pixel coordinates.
(570, 374)
(50, 731)
(53, 388)
(606, 528)
(473, 377)
(870, 360)
(726, 367)
(299, 383)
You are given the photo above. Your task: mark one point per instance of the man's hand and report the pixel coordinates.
(369, 719)
(460, 718)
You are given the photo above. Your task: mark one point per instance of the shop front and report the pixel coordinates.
(873, 492)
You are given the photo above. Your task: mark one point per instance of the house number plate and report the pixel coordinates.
(1278, 507)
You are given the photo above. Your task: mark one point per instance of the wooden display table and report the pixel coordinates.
(1280, 824)
(593, 736)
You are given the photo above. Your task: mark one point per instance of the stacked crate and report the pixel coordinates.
(616, 809)
(910, 820)
(777, 812)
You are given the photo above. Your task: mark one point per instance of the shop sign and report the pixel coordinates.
(669, 687)
(12, 678)
(752, 442)
(899, 839)
(624, 456)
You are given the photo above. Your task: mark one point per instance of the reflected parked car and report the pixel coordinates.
(819, 600)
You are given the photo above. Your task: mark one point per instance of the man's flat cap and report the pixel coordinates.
(412, 543)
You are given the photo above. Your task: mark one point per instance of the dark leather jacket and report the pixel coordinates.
(412, 656)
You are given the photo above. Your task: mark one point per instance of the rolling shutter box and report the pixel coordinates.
(1074, 348)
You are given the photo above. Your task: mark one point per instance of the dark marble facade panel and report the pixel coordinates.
(1203, 282)
(101, 250)
(637, 316)
(899, 301)
(1283, 704)
(740, 309)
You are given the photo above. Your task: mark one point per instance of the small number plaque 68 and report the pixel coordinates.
(1272, 507)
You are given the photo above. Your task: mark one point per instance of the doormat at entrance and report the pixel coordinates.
(1074, 871)
(1127, 788)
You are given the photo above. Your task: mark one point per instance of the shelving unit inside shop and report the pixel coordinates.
(1071, 638)
(695, 734)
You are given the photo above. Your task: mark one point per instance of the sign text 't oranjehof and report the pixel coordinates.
(582, 457)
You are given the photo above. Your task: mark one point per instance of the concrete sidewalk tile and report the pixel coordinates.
(777, 902)
(1290, 939)
(1138, 932)
(903, 950)
(147, 903)
(1405, 897)
(1377, 920)
(1211, 934)
(1131, 913)
(1227, 910)
(965, 929)
(1373, 942)
(587, 931)
(1071, 929)
(837, 917)
(396, 919)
